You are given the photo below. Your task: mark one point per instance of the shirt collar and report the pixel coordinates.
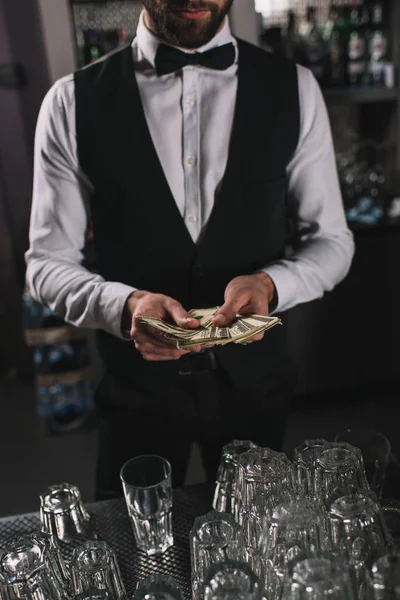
(146, 44)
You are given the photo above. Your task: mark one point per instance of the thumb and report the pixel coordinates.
(227, 313)
(181, 317)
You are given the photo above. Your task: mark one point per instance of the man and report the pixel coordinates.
(198, 158)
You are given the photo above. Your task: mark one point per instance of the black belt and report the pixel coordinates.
(197, 363)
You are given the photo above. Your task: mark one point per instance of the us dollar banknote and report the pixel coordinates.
(240, 331)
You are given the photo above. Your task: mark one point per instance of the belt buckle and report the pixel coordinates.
(212, 365)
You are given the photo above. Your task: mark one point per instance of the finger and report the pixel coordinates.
(145, 348)
(157, 358)
(228, 311)
(180, 316)
(256, 338)
(151, 337)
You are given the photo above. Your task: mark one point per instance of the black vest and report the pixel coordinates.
(141, 238)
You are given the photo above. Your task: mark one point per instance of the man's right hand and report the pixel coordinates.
(151, 344)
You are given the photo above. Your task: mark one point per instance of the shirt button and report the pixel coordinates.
(189, 101)
(192, 219)
(191, 161)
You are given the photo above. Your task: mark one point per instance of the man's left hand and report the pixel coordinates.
(245, 295)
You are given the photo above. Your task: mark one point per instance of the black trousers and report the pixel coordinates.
(201, 404)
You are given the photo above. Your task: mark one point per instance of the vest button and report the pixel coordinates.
(199, 271)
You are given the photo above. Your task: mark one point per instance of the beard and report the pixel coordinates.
(186, 33)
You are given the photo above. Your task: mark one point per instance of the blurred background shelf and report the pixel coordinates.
(361, 95)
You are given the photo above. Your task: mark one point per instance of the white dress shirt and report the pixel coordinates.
(190, 117)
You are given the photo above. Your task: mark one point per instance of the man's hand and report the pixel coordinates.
(152, 345)
(249, 294)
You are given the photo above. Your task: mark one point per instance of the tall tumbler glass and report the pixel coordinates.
(339, 471)
(158, 587)
(214, 538)
(148, 493)
(63, 514)
(358, 527)
(305, 460)
(385, 578)
(94, 567)
(31, 568)
(224, 496)
(375, 449)
(231, 580)
(296, 528)
(318, 578)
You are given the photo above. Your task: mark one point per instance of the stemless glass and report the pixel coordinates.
(296, 528)
(305, 460)
(263, 479)
(339, 471)
(158, 587)
(231, 580)
(63, 514)
(148, 493)
(385, 578)
(31, 568)
(358, 527)
(375, 449)
(214, 538)
(225, 485)
(94, 567)
(318, 578)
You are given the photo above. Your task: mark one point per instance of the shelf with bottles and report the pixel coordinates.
(367, 185)
(348, 46)
(360, 95)
(101, 27)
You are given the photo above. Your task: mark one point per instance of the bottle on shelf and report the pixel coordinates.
(378, 45)
(357, 60)
(291, 35)
(335, 36)
(313, 47)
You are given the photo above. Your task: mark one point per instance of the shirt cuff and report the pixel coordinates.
(111, 306)
(285, 286)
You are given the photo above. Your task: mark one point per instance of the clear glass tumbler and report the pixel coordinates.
(318, 578)
(63, 514)
(231, 580)
(305, 460)
(31, 567)
(295, 529)
(94, 566)
(339, 471)
(214, 538)
(375, 449)
(158, 587)
(224, 495)
(385, 578)
(358, 528)
(148, 493)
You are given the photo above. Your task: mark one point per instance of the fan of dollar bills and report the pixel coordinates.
(241, 330)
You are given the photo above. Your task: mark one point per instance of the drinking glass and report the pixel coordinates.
(375, 449)
(263, 479)
(339, 471)
(214, 538)
(225, 484)
(158, 587)
(358, 527)
(385, 578)
(31, 567)
(231, 580)
(94, 567)
(296, 528)
(305, 460)
(63, 514)
(318, 578)
(148, 493)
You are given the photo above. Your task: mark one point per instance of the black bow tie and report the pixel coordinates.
(170, 59)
